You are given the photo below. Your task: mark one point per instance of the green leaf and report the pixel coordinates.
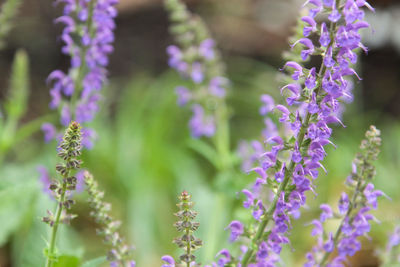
(19, 86)
(67, 261)
(15, 202)
(94, 262)
(16, 103)
(9, 9)
(204, 149)
(30, 241)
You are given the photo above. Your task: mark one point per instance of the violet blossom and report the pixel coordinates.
(314, 103)
(355, 211)
(87, 38)
(196, 59)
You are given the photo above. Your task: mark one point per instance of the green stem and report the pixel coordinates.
(188, 246)
(222, 137)
(52, 245)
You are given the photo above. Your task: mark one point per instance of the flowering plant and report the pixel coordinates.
(285, 169)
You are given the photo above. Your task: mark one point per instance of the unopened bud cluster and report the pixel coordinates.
(188, 242)
(69, 151)
(120, 253)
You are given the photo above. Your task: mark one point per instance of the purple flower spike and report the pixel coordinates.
(197, 59)
(77, 89)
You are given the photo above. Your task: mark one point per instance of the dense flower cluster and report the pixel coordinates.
(313, 102)
(120, 254)
(87, 37)
(188, 242)
(196, 58)
(354, 210)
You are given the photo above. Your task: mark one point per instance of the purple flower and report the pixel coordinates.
(268, 104)
(295, 158)
(250, 199)
(343, 203)
(184, 95)
(236, 229)
(308, 29)
(45, 180)
(169, 261)
(217, 87)
(326, 212)
(197, 72)
(206, 49)
(49, 131)
(197, 59)
(78, 89)
(324, 39)
(329, 245)
(225, 257)
(318, 229)
(372, 195)
(201, 124)
(394, 239)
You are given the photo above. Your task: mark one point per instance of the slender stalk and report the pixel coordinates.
(188, 245)
(52, 246)
(69, 151)
(222, 137)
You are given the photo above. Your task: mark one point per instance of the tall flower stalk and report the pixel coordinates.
(69, 151)
(196, 58)
(187, 241)
(120, 254)
(87, 37)
(353, 210)
(313, 97)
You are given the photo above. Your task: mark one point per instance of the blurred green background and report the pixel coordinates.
(144, 156)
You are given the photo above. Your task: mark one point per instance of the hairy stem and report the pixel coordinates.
(52, 245)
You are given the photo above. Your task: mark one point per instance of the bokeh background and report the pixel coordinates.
(143, 156)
